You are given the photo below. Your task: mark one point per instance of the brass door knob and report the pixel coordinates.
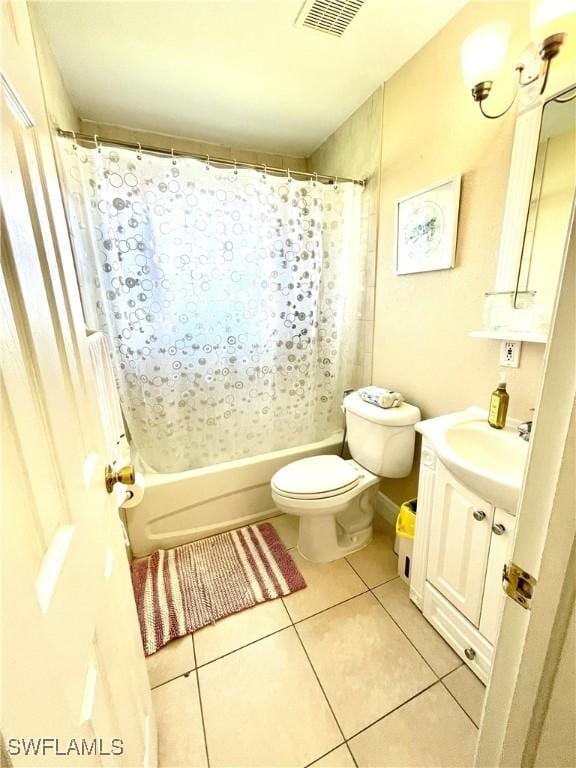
(126, 475)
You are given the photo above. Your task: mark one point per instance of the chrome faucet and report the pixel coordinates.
(524, 430)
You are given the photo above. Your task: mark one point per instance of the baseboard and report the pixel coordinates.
(386, 508)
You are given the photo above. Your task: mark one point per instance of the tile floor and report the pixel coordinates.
(344, 673)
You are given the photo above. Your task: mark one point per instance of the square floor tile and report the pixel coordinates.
(366, 665)
(179, 721)
(431, 730)
(376, 563)
(327, 584)
(238, 630)
(395, 597)
(468, 691)
(263, 706)
(339, 758)
(287, 528)
(172, 660)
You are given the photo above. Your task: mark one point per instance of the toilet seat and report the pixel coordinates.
(317, 477)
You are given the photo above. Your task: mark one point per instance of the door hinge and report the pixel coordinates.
(518, 584)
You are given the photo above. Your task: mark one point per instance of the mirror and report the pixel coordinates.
(551, 201)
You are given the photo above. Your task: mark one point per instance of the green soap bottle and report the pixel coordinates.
(499, 400)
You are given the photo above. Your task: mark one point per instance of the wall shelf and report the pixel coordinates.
(536, 338)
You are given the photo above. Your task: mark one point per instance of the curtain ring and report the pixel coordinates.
(335, 182)
(315, 178)
(207, 162)
(172, 154)
(235, 167)
(264, 174)
(74, 144)
(139, 153)
(288, 174)
(98, 146)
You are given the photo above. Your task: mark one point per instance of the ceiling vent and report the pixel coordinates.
(330, 16)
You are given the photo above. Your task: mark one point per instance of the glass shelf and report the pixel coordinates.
(536, 338)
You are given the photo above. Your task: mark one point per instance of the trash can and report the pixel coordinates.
(405, 530)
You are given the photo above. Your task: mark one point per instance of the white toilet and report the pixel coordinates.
(333, 497)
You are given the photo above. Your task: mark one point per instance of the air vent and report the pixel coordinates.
(330, 16)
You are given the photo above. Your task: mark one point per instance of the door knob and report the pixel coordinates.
(126, 475)
(479, 515)
(470, 653)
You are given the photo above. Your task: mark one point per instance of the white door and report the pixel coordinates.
(521, 713)
(460, 529)
(500, 548)
(74, 686)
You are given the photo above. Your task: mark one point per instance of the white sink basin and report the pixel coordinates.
(490, 462)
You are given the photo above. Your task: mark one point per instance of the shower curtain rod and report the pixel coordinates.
(150, 149)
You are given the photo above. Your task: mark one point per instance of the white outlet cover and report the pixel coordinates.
(510, 354)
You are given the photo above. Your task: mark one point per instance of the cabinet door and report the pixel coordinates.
(500, 549)
(428, 463)
(460, 533)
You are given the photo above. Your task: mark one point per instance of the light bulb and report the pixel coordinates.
(548, 17)
(483, 52)
(552, 17)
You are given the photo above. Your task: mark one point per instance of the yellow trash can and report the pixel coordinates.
(405, 529)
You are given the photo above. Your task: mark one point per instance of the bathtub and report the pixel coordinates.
(184, 506)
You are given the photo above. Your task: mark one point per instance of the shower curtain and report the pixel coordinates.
(231, 299)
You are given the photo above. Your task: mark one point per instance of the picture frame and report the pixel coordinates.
(427, 227)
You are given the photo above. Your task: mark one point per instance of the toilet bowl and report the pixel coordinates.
(333, 496)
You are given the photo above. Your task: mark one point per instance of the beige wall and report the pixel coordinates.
(557, 745)
(195, 146)
(433, 130)
(354, 151)
(354, 148)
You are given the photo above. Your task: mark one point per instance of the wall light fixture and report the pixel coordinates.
(553, 24)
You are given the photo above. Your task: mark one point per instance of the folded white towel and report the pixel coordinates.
(383, 398)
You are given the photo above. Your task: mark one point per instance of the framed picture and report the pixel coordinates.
(426, 227)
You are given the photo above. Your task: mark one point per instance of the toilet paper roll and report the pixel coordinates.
(130, 495)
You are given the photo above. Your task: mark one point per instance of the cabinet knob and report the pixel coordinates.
(479, 515)
(498, 529)
(470, 653)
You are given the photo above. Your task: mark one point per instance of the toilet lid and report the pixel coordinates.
(316, 475)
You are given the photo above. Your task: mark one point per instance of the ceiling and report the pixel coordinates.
(236, 72)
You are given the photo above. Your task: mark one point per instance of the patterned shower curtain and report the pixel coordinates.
(231, 299)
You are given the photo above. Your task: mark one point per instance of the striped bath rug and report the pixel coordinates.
(179, 590)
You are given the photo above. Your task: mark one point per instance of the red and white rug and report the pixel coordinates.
(179, 590)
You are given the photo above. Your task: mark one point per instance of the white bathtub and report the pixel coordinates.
(184, 506)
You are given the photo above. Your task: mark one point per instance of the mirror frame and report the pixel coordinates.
(521, 174)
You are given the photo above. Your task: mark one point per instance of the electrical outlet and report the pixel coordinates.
(510, 354)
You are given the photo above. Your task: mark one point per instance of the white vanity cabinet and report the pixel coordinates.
(460, 533)
(462, 543)
(501, 541)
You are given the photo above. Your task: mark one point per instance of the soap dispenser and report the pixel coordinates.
(499, 400)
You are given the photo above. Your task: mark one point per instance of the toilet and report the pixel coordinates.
(333, 496)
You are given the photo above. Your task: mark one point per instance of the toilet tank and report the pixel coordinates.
(381, 439)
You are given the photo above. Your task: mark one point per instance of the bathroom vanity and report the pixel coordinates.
(470, 480)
